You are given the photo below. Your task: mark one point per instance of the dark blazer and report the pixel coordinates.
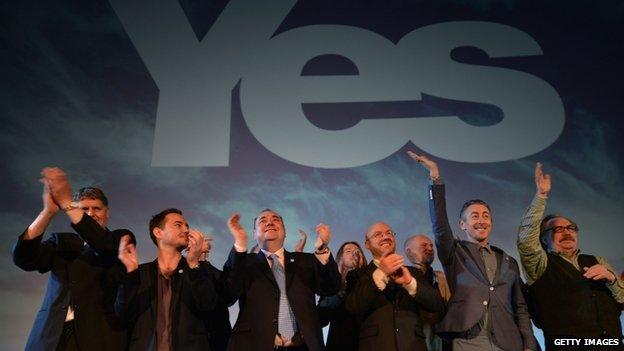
(251, 281)
(344, 327)
(218, 321)
(80, 276)
(471, 289)
(390, 318)
(193, 299)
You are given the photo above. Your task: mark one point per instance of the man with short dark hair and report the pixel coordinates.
(165, 302)
(575, 295)
(276, 288)
(487, 310)
(419, 250)
(77, 311)
(389, 297)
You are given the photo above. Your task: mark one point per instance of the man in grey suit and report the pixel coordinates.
(487, 310)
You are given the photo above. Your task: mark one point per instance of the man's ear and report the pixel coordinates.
(367, 244)
(157, 233)
(462, 224)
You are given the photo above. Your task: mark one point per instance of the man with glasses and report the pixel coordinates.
(575, 295)
(487, 310)
(388, 296)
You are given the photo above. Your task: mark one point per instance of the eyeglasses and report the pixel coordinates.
(379, 235)
(560, 229)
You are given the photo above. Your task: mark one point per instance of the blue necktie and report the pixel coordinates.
(286, 325)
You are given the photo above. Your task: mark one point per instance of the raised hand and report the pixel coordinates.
(127, 254)
(323, 236)
(58, 184)
(542, 181)
(302, 241)
(391, 263)
(599, 272)
(237, 230)
(49, 206)
(432, 167)
(195, 245)
(206, 247)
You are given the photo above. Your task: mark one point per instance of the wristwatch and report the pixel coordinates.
(71, 206)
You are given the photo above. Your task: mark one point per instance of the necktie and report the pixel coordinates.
(286, 325)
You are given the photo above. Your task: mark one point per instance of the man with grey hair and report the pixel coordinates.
(77, 312)
(575, 295)
(419, 250)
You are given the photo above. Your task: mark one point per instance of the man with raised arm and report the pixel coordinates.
(575, 295)
(77, 311)
(487, 310)
(165, 302)
(276, 288)
(389, 297)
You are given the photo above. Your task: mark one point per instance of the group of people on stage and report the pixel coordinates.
(99, 297)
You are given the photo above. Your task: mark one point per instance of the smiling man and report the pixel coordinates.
(575, 295)
(276, 288)
(487, 310)
(389, 297)
(165, 302)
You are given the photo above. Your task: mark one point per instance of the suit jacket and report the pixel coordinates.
(192, 301)
(251, 281)
(80, 276)
(390, 318)
(218, 321)
(344, 327)
(471, 290)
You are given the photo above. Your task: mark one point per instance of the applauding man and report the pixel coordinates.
(487, 310)
(575, 295)
(389, 296)
(165, 302)
(276, 288)
(77, 311)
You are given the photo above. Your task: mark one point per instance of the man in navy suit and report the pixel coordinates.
(487, 310)
(276, 288)
(77, 311)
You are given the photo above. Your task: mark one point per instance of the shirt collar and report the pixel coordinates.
(279, 253)
(574, 254)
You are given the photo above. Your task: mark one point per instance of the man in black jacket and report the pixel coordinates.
(276, 288)
(165, 302)
(389, 297)
(77, 311)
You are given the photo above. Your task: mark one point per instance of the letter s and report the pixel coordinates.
(533, 111)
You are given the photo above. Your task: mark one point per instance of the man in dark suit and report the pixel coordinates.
(77, 311)
(388, 297)
(218, 321)
(487, 310)
(276, 288)
(165, 302)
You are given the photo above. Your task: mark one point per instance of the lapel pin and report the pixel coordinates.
(292, 260)
(180, 271)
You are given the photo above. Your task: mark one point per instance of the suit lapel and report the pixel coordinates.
(502, 260)
(152, 273)
(476, 258)
(289, 267)
(263, 264)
